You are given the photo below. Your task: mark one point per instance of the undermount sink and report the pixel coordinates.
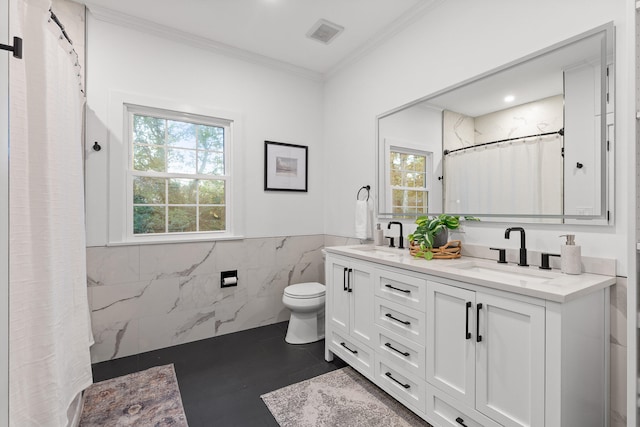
(506, 273)
(380, 251)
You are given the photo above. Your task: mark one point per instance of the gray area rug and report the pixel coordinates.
(338, 398)
(146, 398)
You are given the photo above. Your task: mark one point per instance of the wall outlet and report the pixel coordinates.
(228, 278)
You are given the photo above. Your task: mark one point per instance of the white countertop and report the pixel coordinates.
(551, 285)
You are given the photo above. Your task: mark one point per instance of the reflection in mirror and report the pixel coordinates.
(527, 141)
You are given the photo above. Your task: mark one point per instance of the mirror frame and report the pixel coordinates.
(607, 157)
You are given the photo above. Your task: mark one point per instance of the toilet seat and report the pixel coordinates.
(305, 290)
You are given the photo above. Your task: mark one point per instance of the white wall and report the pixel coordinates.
(438, 51)
(273, 105)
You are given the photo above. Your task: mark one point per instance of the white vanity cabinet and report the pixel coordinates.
(490, 346)
(349, 312)
(487, 352)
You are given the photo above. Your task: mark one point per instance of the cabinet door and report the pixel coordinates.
(510, 361)
(451, 341)
(360, 290)
(337, 295)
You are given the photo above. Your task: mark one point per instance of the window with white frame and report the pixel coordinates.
(179, 173)
(408, 180)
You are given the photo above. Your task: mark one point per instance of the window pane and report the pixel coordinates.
(182, 219)
(210, 163)
(211, 192)
(148, 190)
(148, 219)
(396, 160)
(210, 138)
(417, 164)
(180, 134)
(182, 191)
(148, 158)
(148, 130)
(212, 218)
(181, 161)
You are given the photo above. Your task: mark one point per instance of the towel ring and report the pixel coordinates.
(365, 187)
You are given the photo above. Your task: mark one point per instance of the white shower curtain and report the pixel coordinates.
(49, 340)
(520, 177)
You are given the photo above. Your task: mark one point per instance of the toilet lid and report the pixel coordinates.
(305, 290)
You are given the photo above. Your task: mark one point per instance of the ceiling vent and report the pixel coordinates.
(324, 31)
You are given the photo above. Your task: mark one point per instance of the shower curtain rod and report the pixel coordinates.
(559, 132)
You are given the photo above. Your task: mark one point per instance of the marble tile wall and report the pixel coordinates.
(154, 296)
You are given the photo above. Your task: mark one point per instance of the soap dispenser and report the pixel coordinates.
(378, 236)
(570, 256)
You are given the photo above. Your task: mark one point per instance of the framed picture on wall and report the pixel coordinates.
(285, 167)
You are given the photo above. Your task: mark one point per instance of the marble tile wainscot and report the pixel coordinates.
(148, 297)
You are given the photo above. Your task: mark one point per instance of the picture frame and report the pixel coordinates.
(285, 166)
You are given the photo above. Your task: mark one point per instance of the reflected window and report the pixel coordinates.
(408, 180)
(179, 173)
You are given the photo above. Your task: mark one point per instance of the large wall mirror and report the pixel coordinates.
(531, 141)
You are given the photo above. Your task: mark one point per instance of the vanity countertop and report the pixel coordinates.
(551, 285)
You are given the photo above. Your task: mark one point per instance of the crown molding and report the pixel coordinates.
(401, 23)
(159, 30)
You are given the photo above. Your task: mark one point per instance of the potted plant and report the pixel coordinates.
(433, 232)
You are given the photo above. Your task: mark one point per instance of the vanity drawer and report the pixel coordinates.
(401, 352)
(355, 354)
(409, 390)
(402, 288)
(404, 321)
(445, 411)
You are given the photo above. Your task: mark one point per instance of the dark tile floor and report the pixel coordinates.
(221, 379)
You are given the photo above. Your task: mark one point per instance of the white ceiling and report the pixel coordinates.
(277, 29)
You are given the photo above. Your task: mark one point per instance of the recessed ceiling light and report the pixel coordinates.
(509, 98)
(324, 31)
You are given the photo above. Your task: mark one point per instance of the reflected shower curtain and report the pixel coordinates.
(520, 177)
(49, 321)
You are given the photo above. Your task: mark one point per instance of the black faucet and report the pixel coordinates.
(400, 239)
(523, 249)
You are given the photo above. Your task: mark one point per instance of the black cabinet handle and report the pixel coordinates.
(406, 291)
(404, 322)
(344, 279)
(345, 346)
(467, 334)
(461, 422)
(402, 384)
(478, 336)
(349, 289)
(404, 353)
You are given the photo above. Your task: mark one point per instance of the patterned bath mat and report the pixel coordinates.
(146, 398)
(339, 398)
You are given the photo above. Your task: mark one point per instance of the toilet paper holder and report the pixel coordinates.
(228, 278)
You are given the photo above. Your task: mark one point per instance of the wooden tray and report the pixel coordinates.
(451, 250)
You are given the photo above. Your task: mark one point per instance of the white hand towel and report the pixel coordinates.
(362, 219)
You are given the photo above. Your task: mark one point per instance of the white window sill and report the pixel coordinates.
(165, 241)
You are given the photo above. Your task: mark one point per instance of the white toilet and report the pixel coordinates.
(306, 302)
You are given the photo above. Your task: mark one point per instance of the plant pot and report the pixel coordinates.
(441, 238)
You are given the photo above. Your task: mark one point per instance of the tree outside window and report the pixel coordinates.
(179, 175)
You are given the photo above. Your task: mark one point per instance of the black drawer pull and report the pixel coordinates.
(349, 288)
(461, 422)
(345, 346)
(478, 336)
(406, 291)
(404, 322)
(467, 334)
(344, 279)
(404, 353)
(402, 384)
